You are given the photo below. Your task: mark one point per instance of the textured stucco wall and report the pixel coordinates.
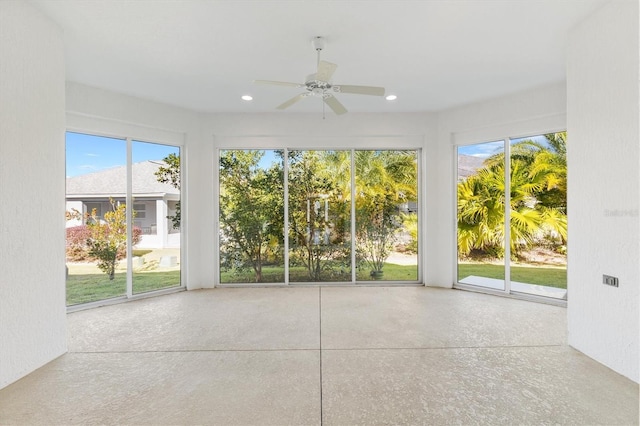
(32, 275)
(603, 187)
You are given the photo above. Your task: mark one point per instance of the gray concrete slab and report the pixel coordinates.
(220, 319)
(489, 386)
(421, 317)
(169, 388)
(252, 356)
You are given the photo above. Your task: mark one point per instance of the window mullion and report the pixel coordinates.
(507, 215)
(286, 216)
(129, 219)
(353, 216)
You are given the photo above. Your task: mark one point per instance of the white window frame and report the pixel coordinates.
(328, 144)
(467, 139)
(93, 126)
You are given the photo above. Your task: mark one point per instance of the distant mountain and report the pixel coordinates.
(468, 164)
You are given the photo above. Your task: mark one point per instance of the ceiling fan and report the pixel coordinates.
(319, 84)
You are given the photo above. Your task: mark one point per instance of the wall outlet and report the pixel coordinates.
(609, 280)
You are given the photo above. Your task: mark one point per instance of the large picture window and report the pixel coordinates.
(348, 216)
(113, 251)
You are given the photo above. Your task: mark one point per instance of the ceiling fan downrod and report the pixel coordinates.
(318, 44)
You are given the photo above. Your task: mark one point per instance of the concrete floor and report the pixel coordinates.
(333, 355)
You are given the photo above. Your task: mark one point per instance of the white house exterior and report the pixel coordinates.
(153, 201)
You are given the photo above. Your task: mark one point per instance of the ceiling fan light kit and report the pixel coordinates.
(319, 84)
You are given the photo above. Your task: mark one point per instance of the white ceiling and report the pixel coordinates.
(203, 55)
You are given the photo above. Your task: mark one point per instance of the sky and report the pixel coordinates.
(484, 150)
(88, 153)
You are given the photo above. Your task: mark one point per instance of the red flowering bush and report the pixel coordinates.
(78, 250)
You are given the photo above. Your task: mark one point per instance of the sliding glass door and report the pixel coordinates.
(319, 200)
(348, 215)
(96, 245)
(534, 259)
(481, 215)
(113, 250)
(155, 183)
(387, 215)
(539, 215)
(251, 216)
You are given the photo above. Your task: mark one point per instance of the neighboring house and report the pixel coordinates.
(468, 165)
(152, 201)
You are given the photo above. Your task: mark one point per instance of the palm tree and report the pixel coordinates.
(537, 194)
(384, 181)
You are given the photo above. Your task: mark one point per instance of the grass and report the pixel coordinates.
(275, 274)
(83, 288)
(550, 277)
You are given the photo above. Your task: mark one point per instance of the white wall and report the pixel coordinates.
(603, 129)
(32, 275)
(528, 113)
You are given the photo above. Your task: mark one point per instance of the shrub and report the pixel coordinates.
(78, 250)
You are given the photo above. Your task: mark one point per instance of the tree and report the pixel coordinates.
(171, 175)
(107, 241)
(318, 214)
(384, 181)
(251, 209)
(378, 221)
(537, 192)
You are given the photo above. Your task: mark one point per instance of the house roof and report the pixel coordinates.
(113, 181)
(468, 164)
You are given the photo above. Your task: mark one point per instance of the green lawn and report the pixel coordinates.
(83, 288)
(551, 277)
(275, 274)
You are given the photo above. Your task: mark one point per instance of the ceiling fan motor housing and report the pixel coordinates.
(315, 86)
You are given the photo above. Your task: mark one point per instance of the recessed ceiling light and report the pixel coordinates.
(247, 97)
(391, 97)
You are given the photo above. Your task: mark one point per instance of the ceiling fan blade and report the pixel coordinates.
(278, 83)
(292, 101)
(334, 104)
(325, 70)
(359, 90)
